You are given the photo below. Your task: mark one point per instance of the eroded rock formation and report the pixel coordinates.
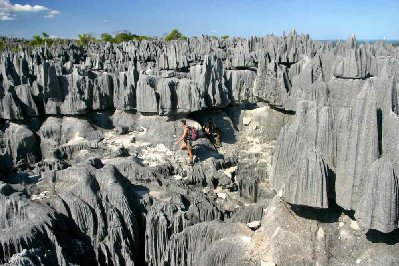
(307, 174)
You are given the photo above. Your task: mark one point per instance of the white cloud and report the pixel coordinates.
(8, 10)
(52, 14)
(6, 17)
(27, 8)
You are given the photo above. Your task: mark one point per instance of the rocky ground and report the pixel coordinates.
(306, 175)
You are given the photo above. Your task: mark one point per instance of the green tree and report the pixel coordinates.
(224, 37)
(37, 40)
(85, 39)
(175, 35)
(123, 36)
(41, 40)
(106, 37)
(142, 38)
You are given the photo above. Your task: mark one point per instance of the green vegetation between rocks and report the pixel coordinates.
(39, 40)
(5, 44)
(85, 39)
(106, 37)
(123, 36)
(175, 35)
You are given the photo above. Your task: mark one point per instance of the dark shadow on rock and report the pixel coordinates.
(375, 236)
(331, 193)
(203, 152)
(76, 246)
(330, 215)
(221, 121)
(140, 191)
(281, 110)
(102, 119)
(21, 178)
(379, 127)
(234, 111)
(6, 163)
(331, 178)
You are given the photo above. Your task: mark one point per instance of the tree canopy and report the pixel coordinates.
(123, 36)
(106, 37)
(85, 39)
(41, 40)
(175, 35)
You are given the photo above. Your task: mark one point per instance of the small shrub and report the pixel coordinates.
(124, 36)
(106, 37)
(41, 40)
(142, 38)
(85, 39)
(37, 41)
(175, 35)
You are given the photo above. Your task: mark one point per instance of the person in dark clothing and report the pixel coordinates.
(213, 133)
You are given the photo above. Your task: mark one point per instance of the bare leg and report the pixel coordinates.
(190, 154)
(183, 146)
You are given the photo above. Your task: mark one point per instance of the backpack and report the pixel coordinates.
(194, 134)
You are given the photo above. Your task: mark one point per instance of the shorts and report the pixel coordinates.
(189, 143)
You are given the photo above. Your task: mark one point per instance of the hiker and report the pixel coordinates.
(213, 133)
(187, 139)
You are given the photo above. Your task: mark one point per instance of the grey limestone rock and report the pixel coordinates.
(27, 102)
(360, 152)
(20, 145)
(240, 85)
(188, 249)
(298, 169)
(379, 202)
(103, 91)
(304, 182)
(8, 105)
(313, 122)
(28, 225)
(174, 56)
(390, 144)
(124, 89)
(146, 94)
(357, 63)
(98, 201)
(272, 84)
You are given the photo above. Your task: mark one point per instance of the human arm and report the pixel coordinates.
(185, 132)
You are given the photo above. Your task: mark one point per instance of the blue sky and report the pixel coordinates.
(322, 19)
